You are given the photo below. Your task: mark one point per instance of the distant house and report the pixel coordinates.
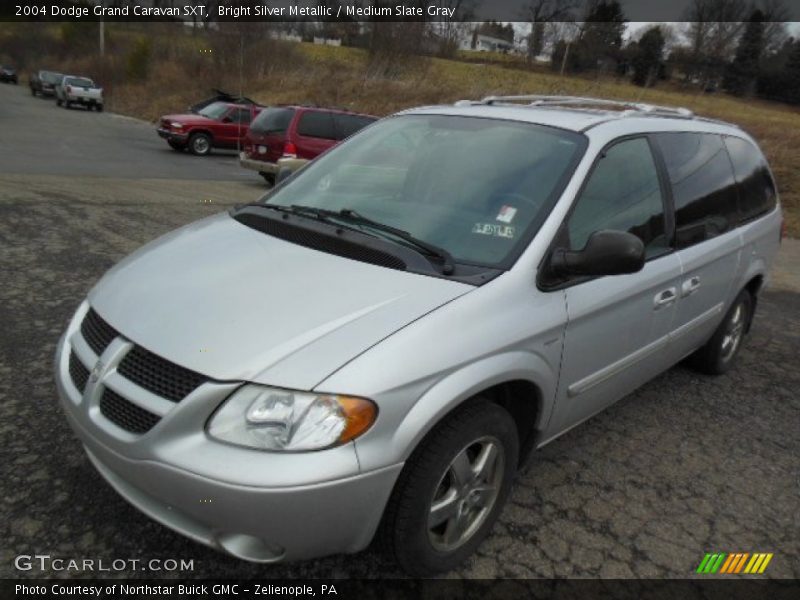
(481, 42)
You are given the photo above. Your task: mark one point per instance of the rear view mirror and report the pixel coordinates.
(607, 252)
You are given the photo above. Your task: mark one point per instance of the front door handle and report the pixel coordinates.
(689, 286)
(665, 298)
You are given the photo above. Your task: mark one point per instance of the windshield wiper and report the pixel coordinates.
(298, 209)
(351, 216)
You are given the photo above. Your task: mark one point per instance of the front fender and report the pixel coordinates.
(382, 447)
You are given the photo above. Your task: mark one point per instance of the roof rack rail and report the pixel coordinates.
(629, 108)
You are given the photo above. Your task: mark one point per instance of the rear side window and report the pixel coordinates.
(317, 124)
(703, 186)
(347, 125)
(756, 188)
(273, 120)
(623, 193)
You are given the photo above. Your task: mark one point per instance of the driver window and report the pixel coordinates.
(622, 193)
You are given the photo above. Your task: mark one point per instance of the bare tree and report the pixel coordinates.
(713, 30)
(542, 15)
(776, 15)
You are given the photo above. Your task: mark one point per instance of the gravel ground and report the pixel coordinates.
(686, 465)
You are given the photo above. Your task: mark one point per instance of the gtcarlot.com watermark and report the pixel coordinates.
(46, 562)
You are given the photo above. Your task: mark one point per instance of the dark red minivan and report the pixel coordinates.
(295, 132)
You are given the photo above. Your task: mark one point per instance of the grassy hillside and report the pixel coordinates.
(182, 68)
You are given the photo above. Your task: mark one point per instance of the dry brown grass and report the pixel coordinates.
(338, 76)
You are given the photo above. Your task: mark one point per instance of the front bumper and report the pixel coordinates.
(84, 101)
(257, 506)
(171, 135)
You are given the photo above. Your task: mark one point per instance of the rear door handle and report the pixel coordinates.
(665, 298)
(689, 286)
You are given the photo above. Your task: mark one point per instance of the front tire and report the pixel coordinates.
(720, 352)
(200, 144)
(451, 490)
(58, 102)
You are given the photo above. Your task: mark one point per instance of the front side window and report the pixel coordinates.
(756, 188)
(703, 187)
(316, 124)
(240, 115)
(622, 193)
(479, 188)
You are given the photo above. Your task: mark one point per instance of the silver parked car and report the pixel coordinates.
(377, 345)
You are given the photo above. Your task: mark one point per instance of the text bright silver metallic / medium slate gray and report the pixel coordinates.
(376, 345)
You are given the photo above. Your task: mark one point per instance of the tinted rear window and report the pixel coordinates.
(272, 120)
(756, 188)
(79, 81)
(703, 187)
(317, 124)
(347, 125)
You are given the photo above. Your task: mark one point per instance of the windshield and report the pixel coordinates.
(272, 120)
(49, 77)
(215, 110)
(79, 82)
(478, 188)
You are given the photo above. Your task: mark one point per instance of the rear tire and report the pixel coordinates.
(720, 352)
(98, 107)
(451, 490)
(269, 178)
(200, 144)
(58, 102)
(33, 92)
(67, 104)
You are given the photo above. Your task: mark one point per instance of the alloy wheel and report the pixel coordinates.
(466, 494)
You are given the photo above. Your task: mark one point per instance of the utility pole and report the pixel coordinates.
(102, 37)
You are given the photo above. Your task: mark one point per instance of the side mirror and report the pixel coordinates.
(227, 120)
(607, 252)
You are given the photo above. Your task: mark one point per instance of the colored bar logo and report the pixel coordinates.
(734, 562)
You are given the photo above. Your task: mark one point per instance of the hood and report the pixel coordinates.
(225, 300)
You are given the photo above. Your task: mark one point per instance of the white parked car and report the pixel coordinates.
(79, 90)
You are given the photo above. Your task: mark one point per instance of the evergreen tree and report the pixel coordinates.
(601, 37)
(646, 60)
(741, 75)
(792, 75)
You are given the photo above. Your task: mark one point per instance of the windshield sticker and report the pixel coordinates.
(506, 214)
(503, 231)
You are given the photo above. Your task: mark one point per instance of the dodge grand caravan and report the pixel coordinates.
(373, 348)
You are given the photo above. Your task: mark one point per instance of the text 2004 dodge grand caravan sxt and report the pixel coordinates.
(374, 348)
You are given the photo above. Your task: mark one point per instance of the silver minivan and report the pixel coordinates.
(374, 348)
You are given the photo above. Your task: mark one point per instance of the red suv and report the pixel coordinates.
(218, 125)
(295, 132)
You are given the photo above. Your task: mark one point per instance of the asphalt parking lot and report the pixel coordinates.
(687, 465)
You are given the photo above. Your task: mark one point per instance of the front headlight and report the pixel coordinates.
(284, 420)
(176, 125)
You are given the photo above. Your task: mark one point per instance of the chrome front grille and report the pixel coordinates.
(158, 375)
(97, 333)
(78, 372)
(139, 366)
(126, 414)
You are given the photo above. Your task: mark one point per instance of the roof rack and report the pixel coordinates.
(628, 108)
